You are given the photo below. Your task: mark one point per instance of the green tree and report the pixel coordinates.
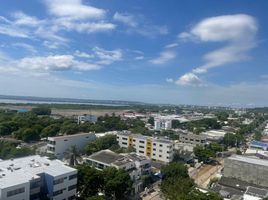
(73, 155)
(101, 143)
(151, 121)
(117, 183)
(41, 111)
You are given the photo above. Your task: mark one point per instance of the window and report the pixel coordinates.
(160, 156)
(141, 151)
(52, 142)
(72, 176)
(141, 147)
(15, 192)
(65, 140)
(134, 140)
(167, 157)
(160, 145)
(153, 154)
(58, 181)
(160, 150)
(168, 151)
(124, 143)
(72, 187)
(124, 138)
(154, 144)
(191, 139)
(141, 141)
(58, 192)
(71, 197)
(154, 149)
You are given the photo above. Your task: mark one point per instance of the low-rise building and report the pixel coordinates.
(87, 118)
(136, 165)
(35, 178)
(155, 148)
(162, 124)
(60, 145)
(258, 145)
(214, 135)
(194, 139)
(249, 169)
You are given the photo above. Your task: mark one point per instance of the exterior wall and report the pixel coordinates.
(147, 146)
(164, 124)
(251, 173)
(25, 195)
(86, 118)
(60, 145)
(192, 139)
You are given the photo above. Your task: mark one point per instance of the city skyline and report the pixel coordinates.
(173, 52)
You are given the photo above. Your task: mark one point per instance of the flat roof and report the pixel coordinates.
(250, 160)
(105, 156)
(70, 136)
(22, 170)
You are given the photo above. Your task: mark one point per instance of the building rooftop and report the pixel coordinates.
(105, 156)
(251, 160)
(70, 136)
(259, 144)
(21, 170)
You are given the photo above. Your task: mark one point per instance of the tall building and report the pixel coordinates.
(36, 178)
(60, 145)
(154, 148)
(249, 169)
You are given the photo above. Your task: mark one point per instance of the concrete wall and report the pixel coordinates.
(251, 173)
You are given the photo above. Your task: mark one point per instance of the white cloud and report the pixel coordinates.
(138, 24)
(28, 47)
(239, 31)
(73, 9)
(172, 45)
(26, 20)
(107, 56)
(83, 54)
(189, 79)
(54, 63)
(169, 80)
(163, 58)
(139, 58)
(126, 19)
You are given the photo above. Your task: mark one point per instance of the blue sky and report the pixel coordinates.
(182, 52)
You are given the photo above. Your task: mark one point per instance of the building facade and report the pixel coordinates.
(60, 145)
(154, 148)
(194, 139)
(36, 178)
(249, 169)
(136, 165)
(87, 118)
(162, 124)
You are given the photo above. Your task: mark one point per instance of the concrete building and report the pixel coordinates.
(60, 145)
(154, 148)
(249, 169)
(87, 118)
(36, 178)
(258, 145)
(214, 135)
(136, 165)
(194, 139)
(162, 124)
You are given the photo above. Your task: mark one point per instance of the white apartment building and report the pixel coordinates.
(154, 148)
(60, 145)
(87, 118)
(36, 178)
(162, 124)
(136, 165)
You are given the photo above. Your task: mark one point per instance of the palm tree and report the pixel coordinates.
(73, 155)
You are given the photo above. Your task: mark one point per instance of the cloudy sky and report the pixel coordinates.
(174, 51)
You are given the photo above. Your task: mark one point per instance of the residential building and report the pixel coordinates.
(258, 145)
(136, 165)
(194, 139)
(87, 118)
(162, 124)
(60, 145)
(214, 135)
(36, 178)
(155, 148)
(249, 169)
